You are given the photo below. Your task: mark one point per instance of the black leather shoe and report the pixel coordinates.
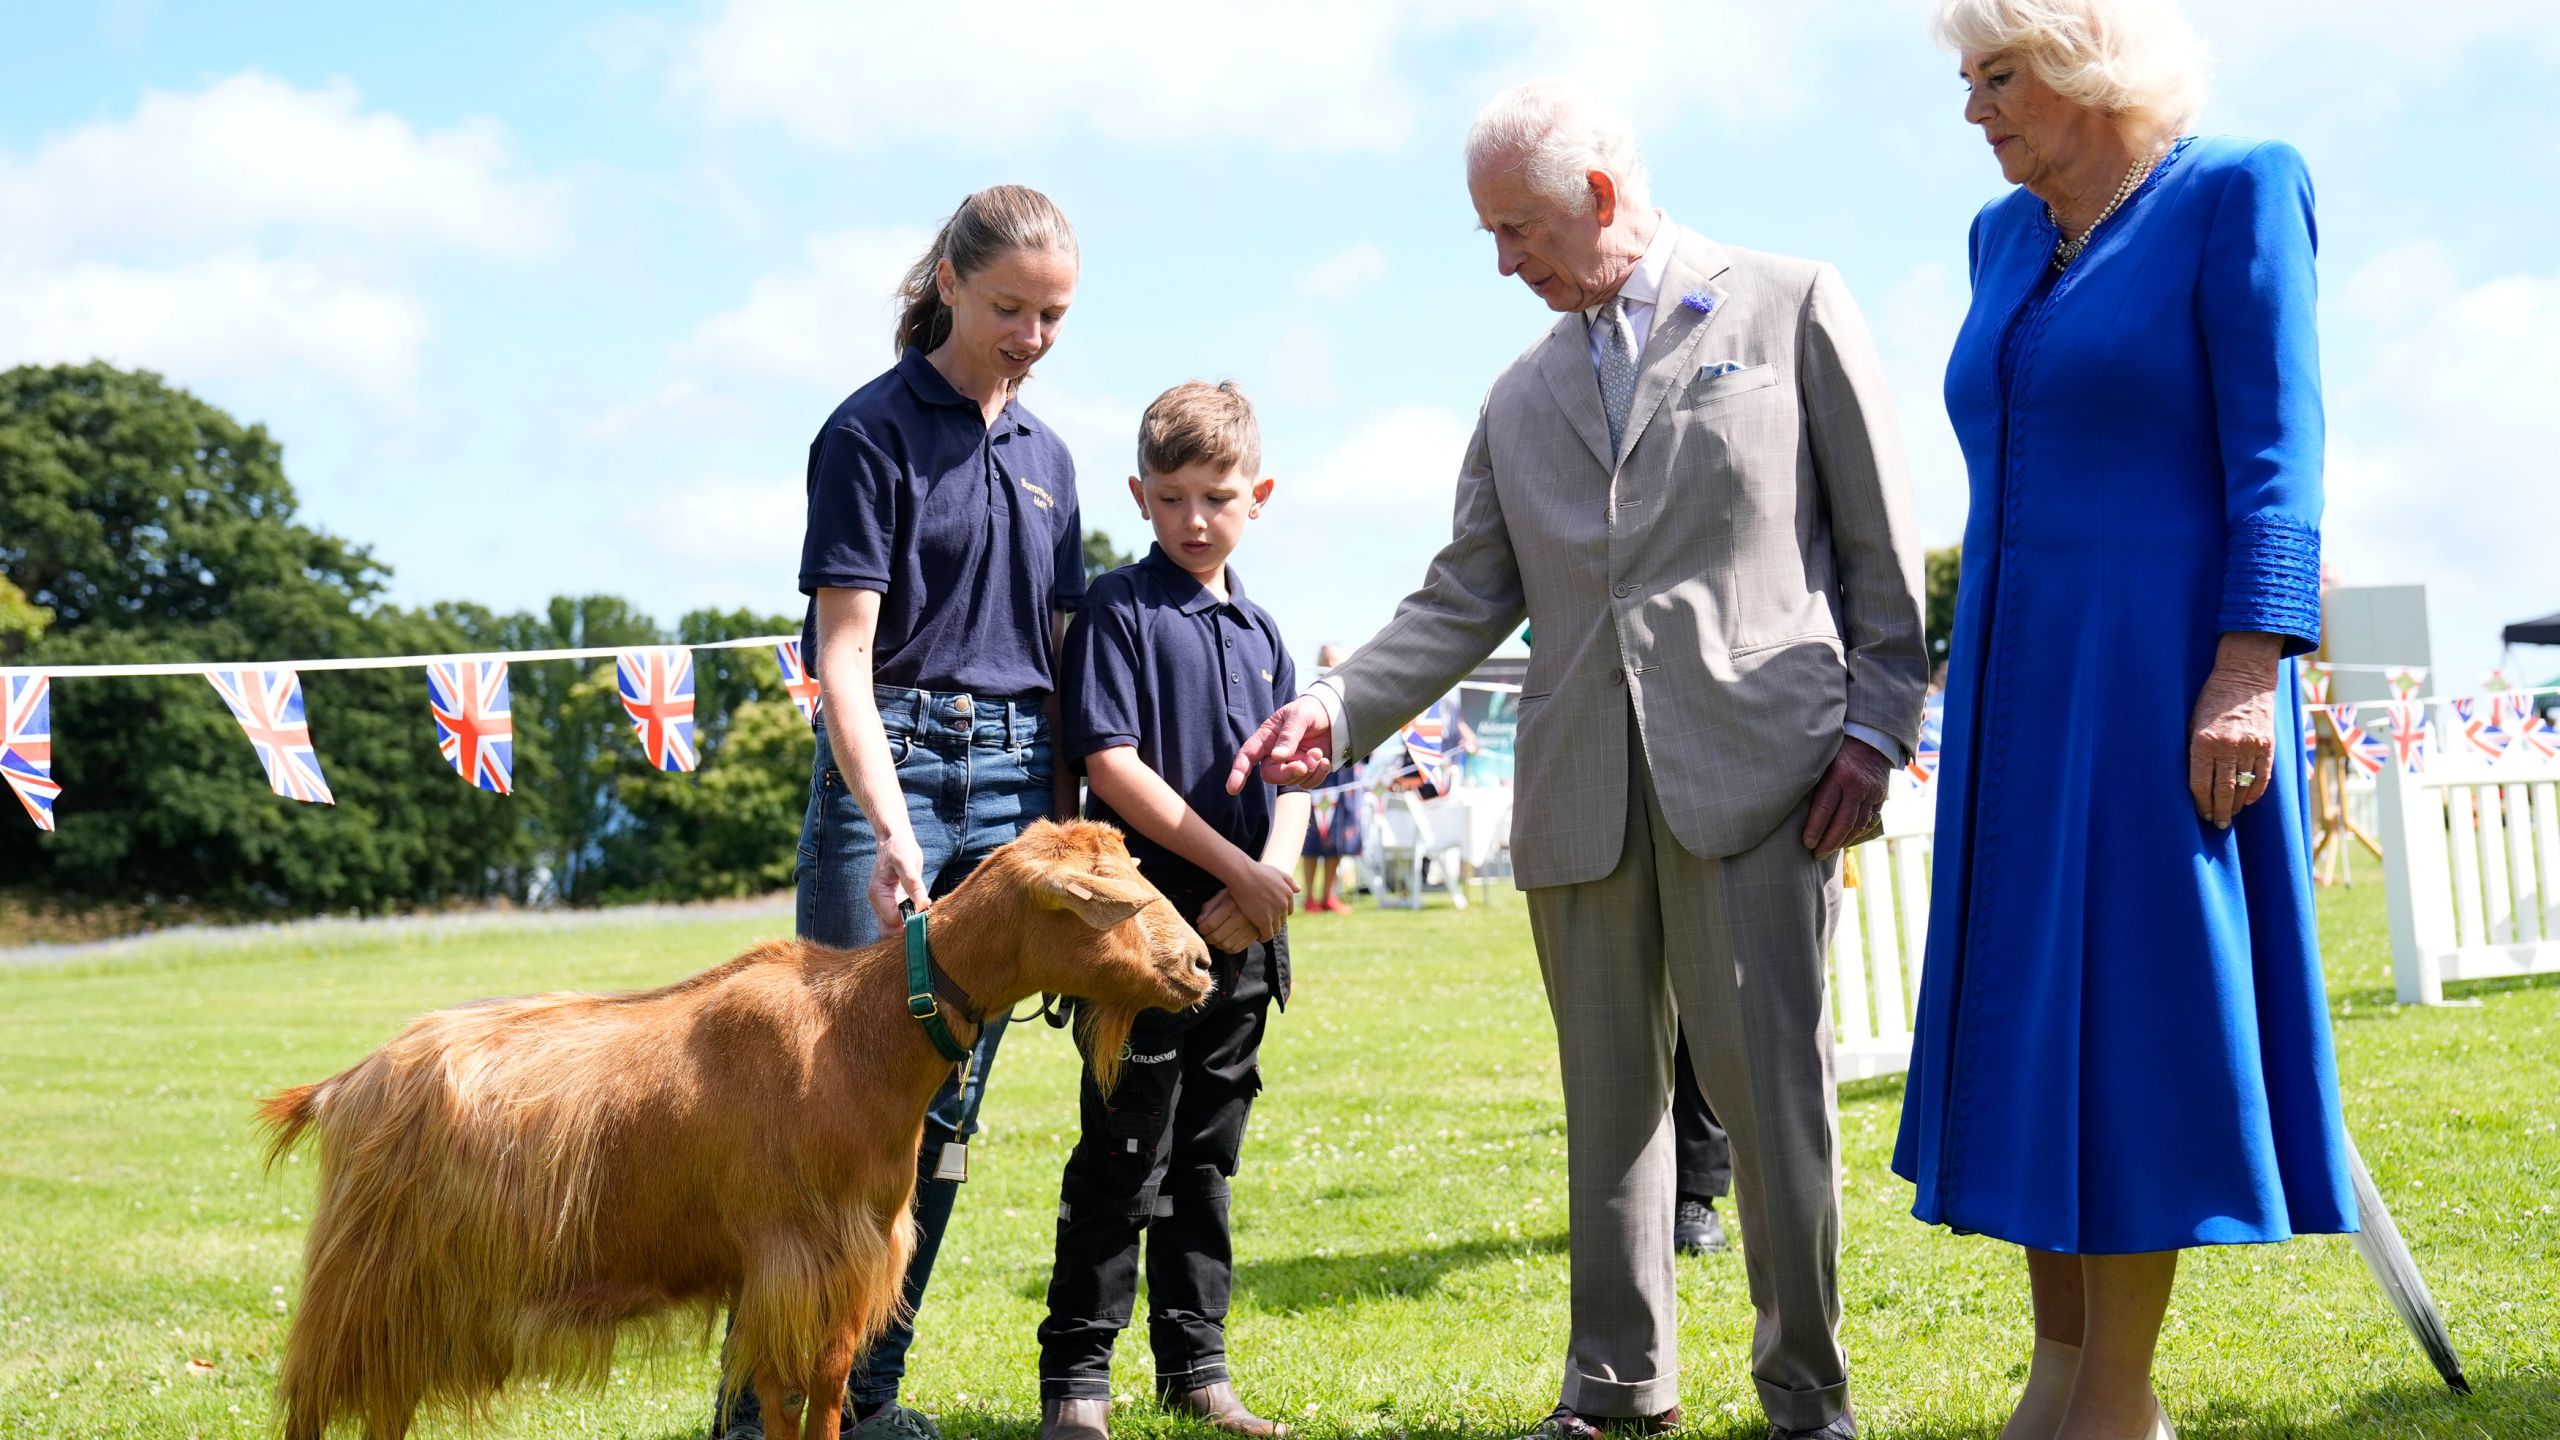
(1566, 1424)
(1696, 1228)
(1844, 1428)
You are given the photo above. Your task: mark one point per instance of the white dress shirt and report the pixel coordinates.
(1642, 288)
(1642, 292)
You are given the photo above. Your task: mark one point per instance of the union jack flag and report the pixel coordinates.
(475, 728)
(657, 688)
(2367, 750)
(2409, 733)
(268, 705)
(2534, 731)
(1429, 740)
(2483, 723)
(26, 743)
(1923, 768)
(797, 679)
(2315, 681)
(2313, 693)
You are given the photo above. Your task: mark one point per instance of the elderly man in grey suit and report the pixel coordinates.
(1693, 487)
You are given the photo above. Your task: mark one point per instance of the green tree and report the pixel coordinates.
(22, 621)
(572, 735)
(731, 826)
(1942, 567)
(1101, 556)
(127, 503)
(156, 528)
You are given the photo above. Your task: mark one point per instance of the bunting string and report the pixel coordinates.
(473, 723)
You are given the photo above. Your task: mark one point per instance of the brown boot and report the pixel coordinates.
(1075, 1420)
(1217, 1404)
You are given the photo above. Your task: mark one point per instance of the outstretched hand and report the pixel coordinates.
(1849, 798)
(1293, 747)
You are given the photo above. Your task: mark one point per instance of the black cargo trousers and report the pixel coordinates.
(1153, 1160)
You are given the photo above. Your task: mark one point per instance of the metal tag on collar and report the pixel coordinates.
(952, 1163)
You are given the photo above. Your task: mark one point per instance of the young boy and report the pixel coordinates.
(1168, 668)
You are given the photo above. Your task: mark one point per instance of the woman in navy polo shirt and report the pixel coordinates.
(943, 552)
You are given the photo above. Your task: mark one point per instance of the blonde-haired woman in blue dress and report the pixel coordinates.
(2123, 1044)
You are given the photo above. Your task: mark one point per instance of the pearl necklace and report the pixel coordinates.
(2066, 250)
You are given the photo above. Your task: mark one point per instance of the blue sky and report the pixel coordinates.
(549, 299)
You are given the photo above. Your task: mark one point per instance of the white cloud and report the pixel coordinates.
(2442, 429)
(1330, 75)
(1306, 77)
(231, 317)
(822, 323)
(726, 526)
(2413, 46)
(251, 155)
(1345, 272)
(1350, 534)
(1659, 59)
(248, 235)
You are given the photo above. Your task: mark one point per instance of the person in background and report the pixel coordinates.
(1334, 829)
(1701, 1161)
(2123, 1040)
(1167, 669)
(928, 487)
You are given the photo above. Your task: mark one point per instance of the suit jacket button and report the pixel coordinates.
(1617, 677)
(1625, 590)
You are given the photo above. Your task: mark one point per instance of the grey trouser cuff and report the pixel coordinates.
(1619, 1399)
(1802, 1409)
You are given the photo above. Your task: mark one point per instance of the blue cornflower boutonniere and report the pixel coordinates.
(1700, 301)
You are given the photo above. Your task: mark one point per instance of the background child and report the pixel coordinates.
(1334, 830)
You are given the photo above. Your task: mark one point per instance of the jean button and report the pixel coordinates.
(961, 704)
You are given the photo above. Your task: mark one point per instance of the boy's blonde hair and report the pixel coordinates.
(1196, 422)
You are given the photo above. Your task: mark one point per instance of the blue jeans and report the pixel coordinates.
(975, 773)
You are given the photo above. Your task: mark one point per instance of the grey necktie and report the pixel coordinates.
(1617, 368)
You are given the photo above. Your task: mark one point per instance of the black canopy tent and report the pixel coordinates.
(2545, 631)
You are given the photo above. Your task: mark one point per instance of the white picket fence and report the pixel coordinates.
(2471, 866)
(1878, 938)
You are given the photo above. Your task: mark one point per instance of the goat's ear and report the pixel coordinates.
(1099, 902)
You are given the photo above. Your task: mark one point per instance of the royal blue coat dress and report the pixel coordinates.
(2123, 1040)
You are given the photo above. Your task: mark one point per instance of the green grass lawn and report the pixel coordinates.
(1400, 1215)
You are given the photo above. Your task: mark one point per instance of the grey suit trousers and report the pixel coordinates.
(1738, 944)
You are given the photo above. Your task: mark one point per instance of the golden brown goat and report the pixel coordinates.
(508, 1183)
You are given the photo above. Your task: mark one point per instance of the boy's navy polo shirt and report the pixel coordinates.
(1154, 661)
(969, 531)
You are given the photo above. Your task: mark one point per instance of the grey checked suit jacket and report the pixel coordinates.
(1744, 571)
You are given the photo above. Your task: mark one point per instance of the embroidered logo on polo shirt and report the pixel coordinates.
(1038, 495)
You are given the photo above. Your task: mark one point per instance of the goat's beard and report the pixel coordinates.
(1102, 1033)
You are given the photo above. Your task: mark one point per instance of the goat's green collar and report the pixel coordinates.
(927, 986)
